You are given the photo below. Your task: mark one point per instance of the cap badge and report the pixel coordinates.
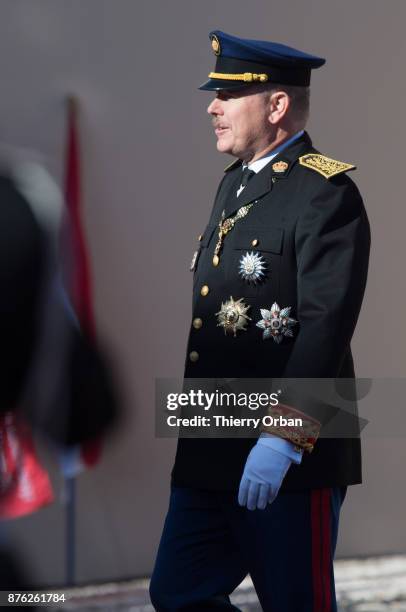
(232, 316)
(215, 45)
(280, 166)
(276, 323)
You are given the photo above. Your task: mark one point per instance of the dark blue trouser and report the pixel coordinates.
(209, 544)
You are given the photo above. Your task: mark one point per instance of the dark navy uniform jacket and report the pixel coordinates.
(314, 235)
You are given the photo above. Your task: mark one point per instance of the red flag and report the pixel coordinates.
(79, 274)
(79, 277)
(24, 484)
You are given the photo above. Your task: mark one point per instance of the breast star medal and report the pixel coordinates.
(276, 323)
(252, 267)
(232, 316)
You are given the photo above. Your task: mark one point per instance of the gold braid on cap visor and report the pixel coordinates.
(247, 77)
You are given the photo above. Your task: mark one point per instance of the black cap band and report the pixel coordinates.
(276, 74)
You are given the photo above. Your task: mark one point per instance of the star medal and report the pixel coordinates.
(252, 267)
(276, 323)
(233, 316)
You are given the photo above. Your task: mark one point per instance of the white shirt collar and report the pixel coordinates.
(257, 165)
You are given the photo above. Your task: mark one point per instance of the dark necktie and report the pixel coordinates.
(236, 188)
(247, 174)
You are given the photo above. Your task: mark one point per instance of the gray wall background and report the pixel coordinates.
(150, 173)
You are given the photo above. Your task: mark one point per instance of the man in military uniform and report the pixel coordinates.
(279, 279)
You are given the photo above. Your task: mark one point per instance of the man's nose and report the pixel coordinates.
(215, 107)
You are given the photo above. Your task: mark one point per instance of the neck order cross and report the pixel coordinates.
(225, 226)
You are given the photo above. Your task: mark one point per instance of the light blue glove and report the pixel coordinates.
(265, 469)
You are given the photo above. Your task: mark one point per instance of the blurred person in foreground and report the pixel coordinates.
(52, 375)
(279, 279)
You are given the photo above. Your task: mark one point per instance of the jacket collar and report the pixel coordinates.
(277, 169)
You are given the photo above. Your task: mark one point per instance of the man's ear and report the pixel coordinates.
(279, 104)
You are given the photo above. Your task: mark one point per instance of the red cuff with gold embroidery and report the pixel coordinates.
(293, 425)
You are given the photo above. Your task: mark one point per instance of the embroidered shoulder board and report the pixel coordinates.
(325, 166)
(233, 164)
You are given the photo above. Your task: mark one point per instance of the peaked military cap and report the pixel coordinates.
(242, 62)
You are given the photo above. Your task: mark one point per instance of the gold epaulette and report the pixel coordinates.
(325, 166)
(233, 164)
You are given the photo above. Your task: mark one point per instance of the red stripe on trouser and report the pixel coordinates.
(321, 549)
(326, 547)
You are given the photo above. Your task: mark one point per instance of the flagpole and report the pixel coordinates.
(79, 288)
(70, 488)
(72, 103)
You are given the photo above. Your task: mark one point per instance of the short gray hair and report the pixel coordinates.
(300, 100)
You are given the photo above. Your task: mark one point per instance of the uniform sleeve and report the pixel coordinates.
(332, 252)
(332, 243)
